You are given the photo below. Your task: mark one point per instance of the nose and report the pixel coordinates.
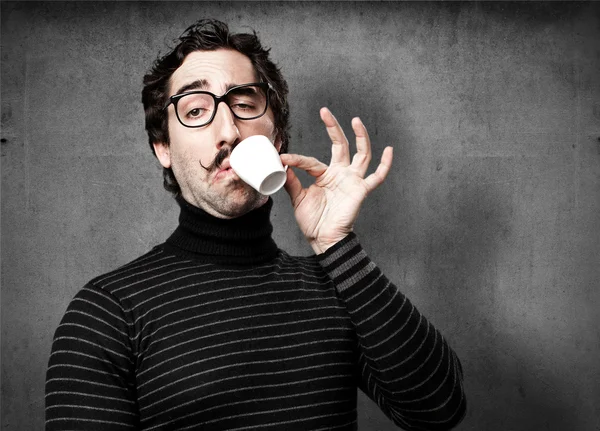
(224, 124)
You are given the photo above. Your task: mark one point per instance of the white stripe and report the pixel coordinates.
(362, 358)
(89, 382)
(431, 393)
(307, 264)
(404, 423)
(227, 310)
(243, 376)
(132, 266)
(395, 380)
(391, 301)
(449, 418)
(294, 421)
(204, 304)
(85, 394)
(269, 337)
(348, 263)
(236, 365)
(120, 318)
(337, 426)
(279, 397)
(198, 294)
(87, 328)
(356, 277)
(98, 291)
(81, 340)
(218, 289)
(335, 255)
(135, 264)
(221, 322)
(87, 420)
(239, 352)
(306, 406)
(364, 289)
(426, 380)
(81, 367)
(73, 352)
(254, 400)
(383, 383)
(203, 274)
(422, 364)
(294, 323)
(387, 323)
(153, 268)
(159, 275)
(409, 357)
(439, 406)
(414, 351)
(75, 406)
(252, 388)
(401, 345)
(381, 292)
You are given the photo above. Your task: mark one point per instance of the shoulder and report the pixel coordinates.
(120, 282)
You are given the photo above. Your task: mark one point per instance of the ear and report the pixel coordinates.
(277, 143)
(163, 153)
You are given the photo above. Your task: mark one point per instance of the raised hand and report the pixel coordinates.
(326, 210)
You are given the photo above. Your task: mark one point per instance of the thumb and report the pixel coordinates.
(293, 187)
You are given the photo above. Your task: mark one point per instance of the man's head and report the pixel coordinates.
(210, 58)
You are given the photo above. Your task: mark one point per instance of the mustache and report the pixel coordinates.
(218, 160)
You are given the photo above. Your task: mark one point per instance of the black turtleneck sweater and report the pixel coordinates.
(218, 329)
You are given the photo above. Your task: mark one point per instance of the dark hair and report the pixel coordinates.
(209, 35)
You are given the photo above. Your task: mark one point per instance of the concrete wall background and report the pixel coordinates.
(489, 221)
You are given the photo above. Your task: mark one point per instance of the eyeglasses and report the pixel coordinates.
(198, 108)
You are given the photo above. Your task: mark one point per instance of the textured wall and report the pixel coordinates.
(490, 219)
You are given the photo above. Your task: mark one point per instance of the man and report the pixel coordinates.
(219, 329)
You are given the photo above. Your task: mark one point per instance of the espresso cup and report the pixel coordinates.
(256, 161)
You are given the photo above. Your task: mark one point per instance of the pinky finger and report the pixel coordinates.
(376, 178)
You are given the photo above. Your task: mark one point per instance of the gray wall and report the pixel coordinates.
(489, 221)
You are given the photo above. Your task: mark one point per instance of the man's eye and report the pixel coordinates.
(196, 112)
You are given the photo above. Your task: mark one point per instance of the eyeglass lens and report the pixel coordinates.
(196, 109)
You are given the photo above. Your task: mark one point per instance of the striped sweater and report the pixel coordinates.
(218, 329)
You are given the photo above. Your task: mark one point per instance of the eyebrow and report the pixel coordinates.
(198, 84)
(201, 84)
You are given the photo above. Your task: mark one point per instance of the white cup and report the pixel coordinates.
(256, 161)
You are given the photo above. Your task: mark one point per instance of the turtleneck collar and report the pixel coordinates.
(243, 240)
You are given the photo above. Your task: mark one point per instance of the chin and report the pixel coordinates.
(237, 204)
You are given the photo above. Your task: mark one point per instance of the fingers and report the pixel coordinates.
(340, 153)
(362, 158)
(376, 178)
(293, 187)
(311, 165)
(341, 156)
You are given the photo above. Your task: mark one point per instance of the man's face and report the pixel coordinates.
(219, 192)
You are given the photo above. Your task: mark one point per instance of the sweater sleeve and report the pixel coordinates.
(90, 381)
(405, 364)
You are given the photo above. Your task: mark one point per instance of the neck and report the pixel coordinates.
(243, 240)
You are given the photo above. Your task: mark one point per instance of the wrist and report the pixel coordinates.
(321, 245)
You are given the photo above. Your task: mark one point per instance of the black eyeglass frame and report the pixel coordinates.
(265, 86)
